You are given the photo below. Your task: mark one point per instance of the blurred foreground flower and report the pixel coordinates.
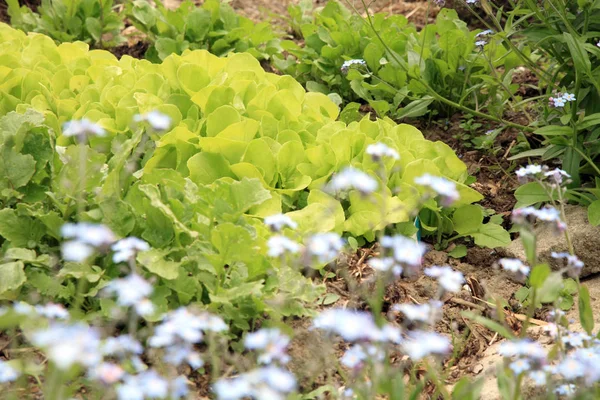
(68, 345)
(272, 343)
(86, 238)
(279, 221)
(380, 150)
(441, 186)
(351, 178)
(264, 383)
(352, 63)
(420, 344)
(132, 291)
(7, 373)
(157, 120)
(449, 279)
(279, 245)
(126, 249)
(82, 129)
(324, 246)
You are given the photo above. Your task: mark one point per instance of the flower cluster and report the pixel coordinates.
(179, 331)
(116, 361)
(402, 251)
(515, 266)
(573, 263)
(279, 245)
(272, 343)
(421, 344)
(7, 373)
(355, 326)
(541, 173)
(448, 279)
(550, 215)
(482, 37)
(325, 247)
(352, 63)
(525, 356)
(378, 151)
(126, 249)
(427, 313)
(68, 345)
(86, 238)
(442, 187)
(279, 221)
(157, 120)
(132, 291)
(82, 129)
(561, 99)
(268, 382)
(351, 178)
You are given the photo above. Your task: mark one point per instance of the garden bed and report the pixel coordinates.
(195, 153)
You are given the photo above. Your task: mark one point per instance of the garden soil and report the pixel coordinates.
(477, 346)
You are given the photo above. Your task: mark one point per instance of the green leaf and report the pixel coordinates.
(538, 276)
(118, 216)
(467, 388)
(550, 289)
(586, 314)
(20, 231)
(415, 108)
(205, 168)
(491, 235)
(459, 251)
(522, 294)
(94, 27)
(531, 193)
(594, 213)
(15, 169)
(580, 56)
(467, 219)
(12, 276)
(154, 261)
(529, 245)
(554, 130)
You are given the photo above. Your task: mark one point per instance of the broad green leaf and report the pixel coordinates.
(538, 275)
(15, 169)
(205, 168)
(594, 213)
(234, 198)
(459, 251)
(550, 289)
(491, 235)
(314, 218)
(467, 219)
(529, 194)
(154, 261)
(20, 231)
(12, 276)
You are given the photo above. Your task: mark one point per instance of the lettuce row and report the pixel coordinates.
(244, 144)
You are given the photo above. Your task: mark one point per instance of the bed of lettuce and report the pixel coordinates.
(244, 144)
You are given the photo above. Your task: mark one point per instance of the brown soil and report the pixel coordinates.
(4, 12)
(137, 49)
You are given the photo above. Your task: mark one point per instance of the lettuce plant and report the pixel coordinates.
(91, 21)
(242, 144)
(214, 26)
